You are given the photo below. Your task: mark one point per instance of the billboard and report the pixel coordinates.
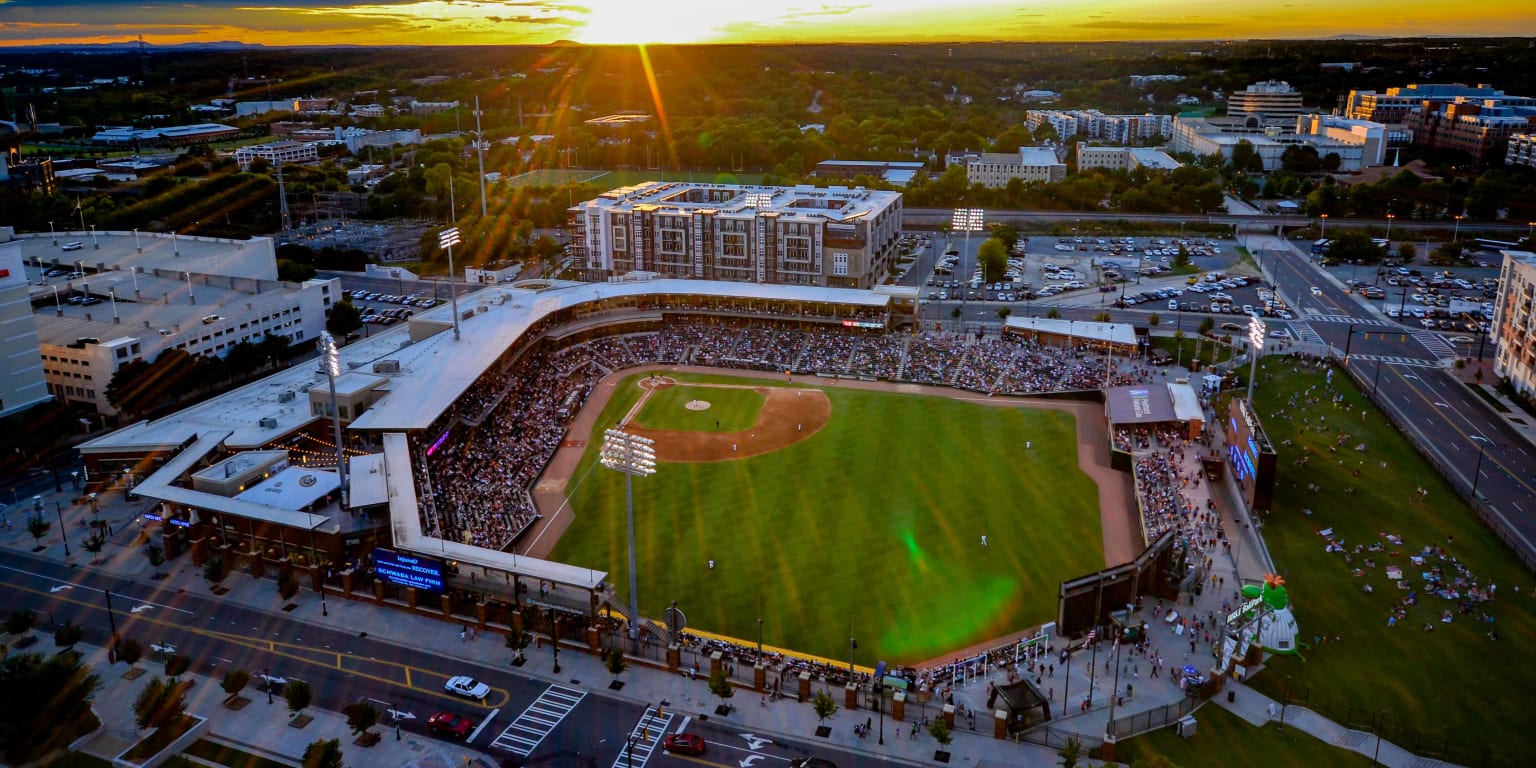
(408, 570)
(1250, 455)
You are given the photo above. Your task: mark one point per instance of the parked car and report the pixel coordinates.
(450, 724)
(74, 246)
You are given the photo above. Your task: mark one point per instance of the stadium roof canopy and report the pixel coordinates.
(1140, 404)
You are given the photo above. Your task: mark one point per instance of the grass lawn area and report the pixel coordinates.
(1223, 739)
(550, 177)
(1435, 686)
(234, 758)
(872, 526)
(732, 409)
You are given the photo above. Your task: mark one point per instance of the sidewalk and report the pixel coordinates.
(259, 728)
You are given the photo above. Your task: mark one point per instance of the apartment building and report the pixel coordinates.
(1514, 322)
(834, 237)
(1522, 150)
(1124, 158)
(1480, 128)
(1093, 124)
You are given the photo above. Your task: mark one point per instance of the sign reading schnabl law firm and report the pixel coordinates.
(408, 570)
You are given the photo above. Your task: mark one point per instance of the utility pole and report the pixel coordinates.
(480, 153)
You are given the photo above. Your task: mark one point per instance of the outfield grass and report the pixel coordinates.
(1453, 683)
(1223, 739)
(730, 409)
(872, 526)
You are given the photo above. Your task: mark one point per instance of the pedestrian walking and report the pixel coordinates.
(983, 539)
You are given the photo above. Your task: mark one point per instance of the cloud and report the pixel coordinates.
(1146, 26)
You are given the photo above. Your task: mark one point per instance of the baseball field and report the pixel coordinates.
(832, 512)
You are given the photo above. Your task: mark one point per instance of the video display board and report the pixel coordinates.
(408, 570)
(1250, 455)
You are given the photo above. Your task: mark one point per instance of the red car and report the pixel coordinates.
(450, 724)
(684, 744)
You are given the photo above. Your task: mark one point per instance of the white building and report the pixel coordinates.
(1272, 102)
(1522, 150)
(1219, 136)
(1031, 164)
(21, 377)
(151, 292)
(1370, 137)
(1093, 124)
(1141, 81)
(1514, 321)
(277, 152)
(1124, 158)
(836, 237)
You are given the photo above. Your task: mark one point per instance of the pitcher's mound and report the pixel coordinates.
(697, 405)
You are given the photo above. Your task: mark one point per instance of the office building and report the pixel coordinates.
(1514, 322)
(1480, 128)
(1124, 159)
(277, 152)
(22, 384)
(1394, 106)
(836, 237)
(1272, 102)
(1335, 132)
(1030, 164)
(1357, 144)
(173, 136)
(143, 293)
(898, 173)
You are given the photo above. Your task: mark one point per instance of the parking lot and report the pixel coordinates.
(388, 309)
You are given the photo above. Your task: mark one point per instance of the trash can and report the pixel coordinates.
(1231, 695)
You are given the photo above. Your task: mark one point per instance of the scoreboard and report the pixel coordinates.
(1250, 455)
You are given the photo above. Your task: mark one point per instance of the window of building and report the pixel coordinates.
(620, 235)
(840, 264)
(674, 241)
(122, 353)
(733, 244)
(797, 249)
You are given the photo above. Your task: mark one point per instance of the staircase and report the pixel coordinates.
(662, 634)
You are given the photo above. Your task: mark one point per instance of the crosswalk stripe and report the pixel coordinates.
(1434, 343)
(540, 719)
(1347, 320)
(1306, 333)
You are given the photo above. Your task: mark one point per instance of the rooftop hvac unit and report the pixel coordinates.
(353, 365)
(267, 422)
(286, 396)
(386, 366)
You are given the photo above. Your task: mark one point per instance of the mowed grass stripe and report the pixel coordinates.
(731, 409)
(873, 525)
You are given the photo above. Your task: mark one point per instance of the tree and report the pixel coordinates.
(298, 695)
(37, 526)
(1007, 233)
(361, 716)
(1102, 317)
(824, 706)
(344, 319)
(1206, 324)
(94, 543)
(68, 634)
(1070, 752)
(1406, 252)
(130, 651)
(20, 621)
(235, 681)
(1182, 258)
(323, 753)
(940, 732)
(1445, 254)
(156, 556)
(720, 685)
(1003, 313)
(1153, 319)
(615, 662)
(993, 258)
(213, 569)
(287, 585)
(159, 704)
(177, 665)
(294, 271)
(516, 642)
(1354, 247)
(1053, 314)
(1245, 158)
(25, 715)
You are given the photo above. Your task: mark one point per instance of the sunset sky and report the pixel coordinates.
(437, 22)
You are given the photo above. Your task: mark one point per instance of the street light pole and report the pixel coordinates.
(1456, 233)
(330, 357)
(1477, 471)
(632, 455)
(266, 674)
(60, 510)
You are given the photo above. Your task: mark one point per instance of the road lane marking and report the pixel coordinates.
(71, 585)
(483, 723)
(528, 731)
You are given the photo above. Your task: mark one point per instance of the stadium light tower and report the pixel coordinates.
(330, 358)
(969, 220)
(446, 240)
(480, 154)
(1256, 330)
(633, 455)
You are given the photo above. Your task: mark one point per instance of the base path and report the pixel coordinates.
(1117, 504)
